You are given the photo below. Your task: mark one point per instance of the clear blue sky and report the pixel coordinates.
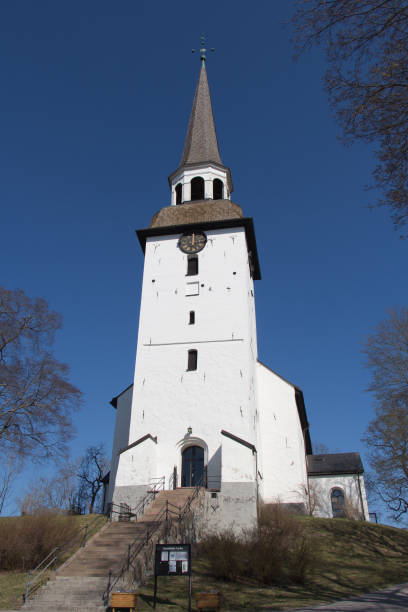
(95, 99)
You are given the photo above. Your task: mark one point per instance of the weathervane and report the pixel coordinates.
(203, 50)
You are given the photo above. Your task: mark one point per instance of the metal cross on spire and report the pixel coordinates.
(203, 50)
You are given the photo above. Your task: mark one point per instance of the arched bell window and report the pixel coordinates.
(197, 188)
(218, 189)
(337, 503)
(179, 193)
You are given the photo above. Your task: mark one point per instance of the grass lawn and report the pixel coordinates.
(352, 557)
(12, 587)
(13, 583)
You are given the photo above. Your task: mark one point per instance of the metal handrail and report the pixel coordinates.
(156, 521)
(155, 485)
(55, 554)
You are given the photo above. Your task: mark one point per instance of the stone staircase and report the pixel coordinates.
(176, 498)
(70, 594)
(80, 583)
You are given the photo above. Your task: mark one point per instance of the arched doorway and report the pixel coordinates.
(192, 466)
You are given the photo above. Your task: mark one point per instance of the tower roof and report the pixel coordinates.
(201, 141)
(201, 145)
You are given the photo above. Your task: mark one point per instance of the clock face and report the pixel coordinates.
(192, 242)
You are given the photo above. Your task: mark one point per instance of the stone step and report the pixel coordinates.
(73, 604)
(64, 594)
(80, 584)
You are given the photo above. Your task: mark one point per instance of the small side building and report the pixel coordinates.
(336, 485)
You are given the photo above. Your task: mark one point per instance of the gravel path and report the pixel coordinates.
(393, 599)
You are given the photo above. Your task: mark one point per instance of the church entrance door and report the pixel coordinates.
(192, 467)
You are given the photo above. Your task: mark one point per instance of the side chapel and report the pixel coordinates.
(202, 409)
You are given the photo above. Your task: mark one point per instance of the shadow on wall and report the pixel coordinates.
(214, 470)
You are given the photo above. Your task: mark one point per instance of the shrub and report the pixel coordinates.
(227, 554)
(277, 551)
(352, 511)
(26, 540)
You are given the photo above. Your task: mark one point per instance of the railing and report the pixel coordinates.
(125, 512)
(52, 559)
(166, 515)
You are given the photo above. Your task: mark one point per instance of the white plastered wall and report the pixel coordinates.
(282, 461)
(352, 486)
(221, 393)
(121, 434)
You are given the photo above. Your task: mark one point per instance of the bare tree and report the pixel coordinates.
(58, 492)
(319, 448)
(387, 440)
(311, 497)
(36, 398)
(9, 471)
(386, 352)
(91, 472)
(366, 45)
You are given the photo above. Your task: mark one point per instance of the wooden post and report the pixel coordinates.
(155, 590)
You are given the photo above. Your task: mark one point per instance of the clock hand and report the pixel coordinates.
(193, 237)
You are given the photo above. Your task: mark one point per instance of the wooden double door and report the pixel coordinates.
(192, 466)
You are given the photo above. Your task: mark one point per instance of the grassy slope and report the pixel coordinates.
(13, 584)
(352, 557)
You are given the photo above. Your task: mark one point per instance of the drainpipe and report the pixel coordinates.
(257, 485)
(361, 498)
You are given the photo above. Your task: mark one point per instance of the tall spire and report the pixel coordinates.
(201, 141)
(201, 174)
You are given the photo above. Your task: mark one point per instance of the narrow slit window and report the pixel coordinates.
(192, 265)
(192, 360)
(191, 320)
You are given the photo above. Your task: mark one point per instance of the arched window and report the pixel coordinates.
(218, 189)
(179, 193)
(197, 188)
(192, 466)
(337, 503)
(192, 360)
(192, 265)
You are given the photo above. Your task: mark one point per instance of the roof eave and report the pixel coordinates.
(245, 222)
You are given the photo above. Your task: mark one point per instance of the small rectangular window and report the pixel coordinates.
(192, 265)
(192, 360)
(192, 288)
(192, 318)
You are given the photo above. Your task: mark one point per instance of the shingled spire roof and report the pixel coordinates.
(201, 152)
(201, 141)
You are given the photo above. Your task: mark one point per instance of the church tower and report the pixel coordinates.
(202, 409)
(191, 414)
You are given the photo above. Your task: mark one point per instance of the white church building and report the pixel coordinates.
(202, 409)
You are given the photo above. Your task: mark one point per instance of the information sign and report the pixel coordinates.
(172, 560)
